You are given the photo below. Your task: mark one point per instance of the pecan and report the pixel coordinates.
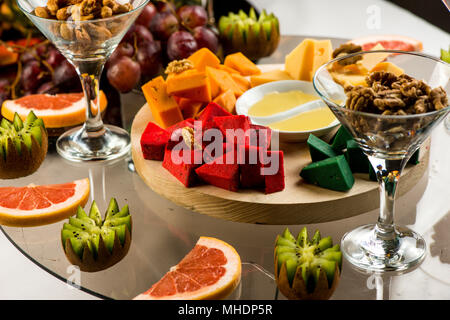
(109, 3)
(439, 98)
(106, 12)
(88, 7)
(63, 13)
(82, 35)
(122, 8)
(54, 5)
(346, 49)
(66, 32)
(359, 98)
(178, 66)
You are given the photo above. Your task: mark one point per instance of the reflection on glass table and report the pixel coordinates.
(163, 232)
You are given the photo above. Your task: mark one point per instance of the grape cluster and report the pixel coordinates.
(39, 69)
(160, 34)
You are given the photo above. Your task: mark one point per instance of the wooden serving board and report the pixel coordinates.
(298, 203)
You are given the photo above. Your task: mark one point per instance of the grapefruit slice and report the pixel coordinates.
(212, 270)
(57, 111)
(389, 42)
(38, 205)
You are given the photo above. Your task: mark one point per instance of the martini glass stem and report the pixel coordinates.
(89, 73)
(388, 174)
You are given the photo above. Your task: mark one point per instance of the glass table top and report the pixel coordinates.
(163, 232)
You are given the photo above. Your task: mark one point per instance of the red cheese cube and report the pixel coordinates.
(182, 164)
(260, 137)
(235, 129)
(220, 174)
(211, 111)
(273, 171)
(154, 140)
(250, 162)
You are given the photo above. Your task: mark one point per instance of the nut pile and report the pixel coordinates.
(81, 10)
(388, 94)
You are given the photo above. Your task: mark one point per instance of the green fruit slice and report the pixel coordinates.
(89, 232)
(308, 257)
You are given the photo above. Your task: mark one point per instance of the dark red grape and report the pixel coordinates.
(124, 74)
(31, 75)
(181, 45)
(149, 58)
(145, 18)
(123, 49)
(128, 37)
(206, 38)
(163, 25)
(65, 74)
(193, 16)
(47, 87)
(41, 50)
(165, 6)
(143, 35)
(28, 56)
(54, 57)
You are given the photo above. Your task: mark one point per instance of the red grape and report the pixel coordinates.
(193, 16)
(206, 38)
(31, 73)
(65, 74)
(128, 37)
(163, 25)
(54, 57)
(143, 35)
(124, 74)
(149, 58)
(145, 18)
(165, 6)
(123, 49)
(181, 45)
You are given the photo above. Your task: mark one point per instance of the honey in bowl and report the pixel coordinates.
(276, 102)
(306, 121)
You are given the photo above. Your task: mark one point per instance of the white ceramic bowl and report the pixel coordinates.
(250, 97)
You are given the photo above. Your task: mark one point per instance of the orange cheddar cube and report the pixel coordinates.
(164, 108)
(228, 69)
(203, 58)
(191, 84)
(241, 81)
(241, 63)
(189, 108)
(226, 100)
(223, 80)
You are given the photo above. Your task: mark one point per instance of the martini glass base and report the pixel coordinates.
(360, 249)
(108, 143)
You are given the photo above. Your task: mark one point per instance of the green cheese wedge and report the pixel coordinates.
(357, 160)
(319, 149)
(339, 141)
(332, 173)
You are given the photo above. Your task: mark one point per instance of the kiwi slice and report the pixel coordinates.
(306, 268)
(23, 146)
(93, 243)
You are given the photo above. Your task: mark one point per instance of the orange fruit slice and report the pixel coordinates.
(57, 111)
(389, 42)
(38, 205)
(212, 270)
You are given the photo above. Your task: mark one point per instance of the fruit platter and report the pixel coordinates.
(236, 130)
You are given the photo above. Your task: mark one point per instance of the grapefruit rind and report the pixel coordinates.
(219, 290)
(54, 213)
(65, 117)
(416, 44)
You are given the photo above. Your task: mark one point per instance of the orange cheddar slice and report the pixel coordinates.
(241, 81)
(202, 58)
(241, 63)
(223, 80)
(191, 84)
(189, 108)
(227, 100)
(228, 69)
(164, 108)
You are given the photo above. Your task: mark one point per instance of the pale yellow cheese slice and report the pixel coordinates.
(274, 75)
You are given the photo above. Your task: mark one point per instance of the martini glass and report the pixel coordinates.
(388, 142)
(87, 45)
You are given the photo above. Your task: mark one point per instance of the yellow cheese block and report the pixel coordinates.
(274, 75)
(302, 62)
(388, 67)
(369, 61)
